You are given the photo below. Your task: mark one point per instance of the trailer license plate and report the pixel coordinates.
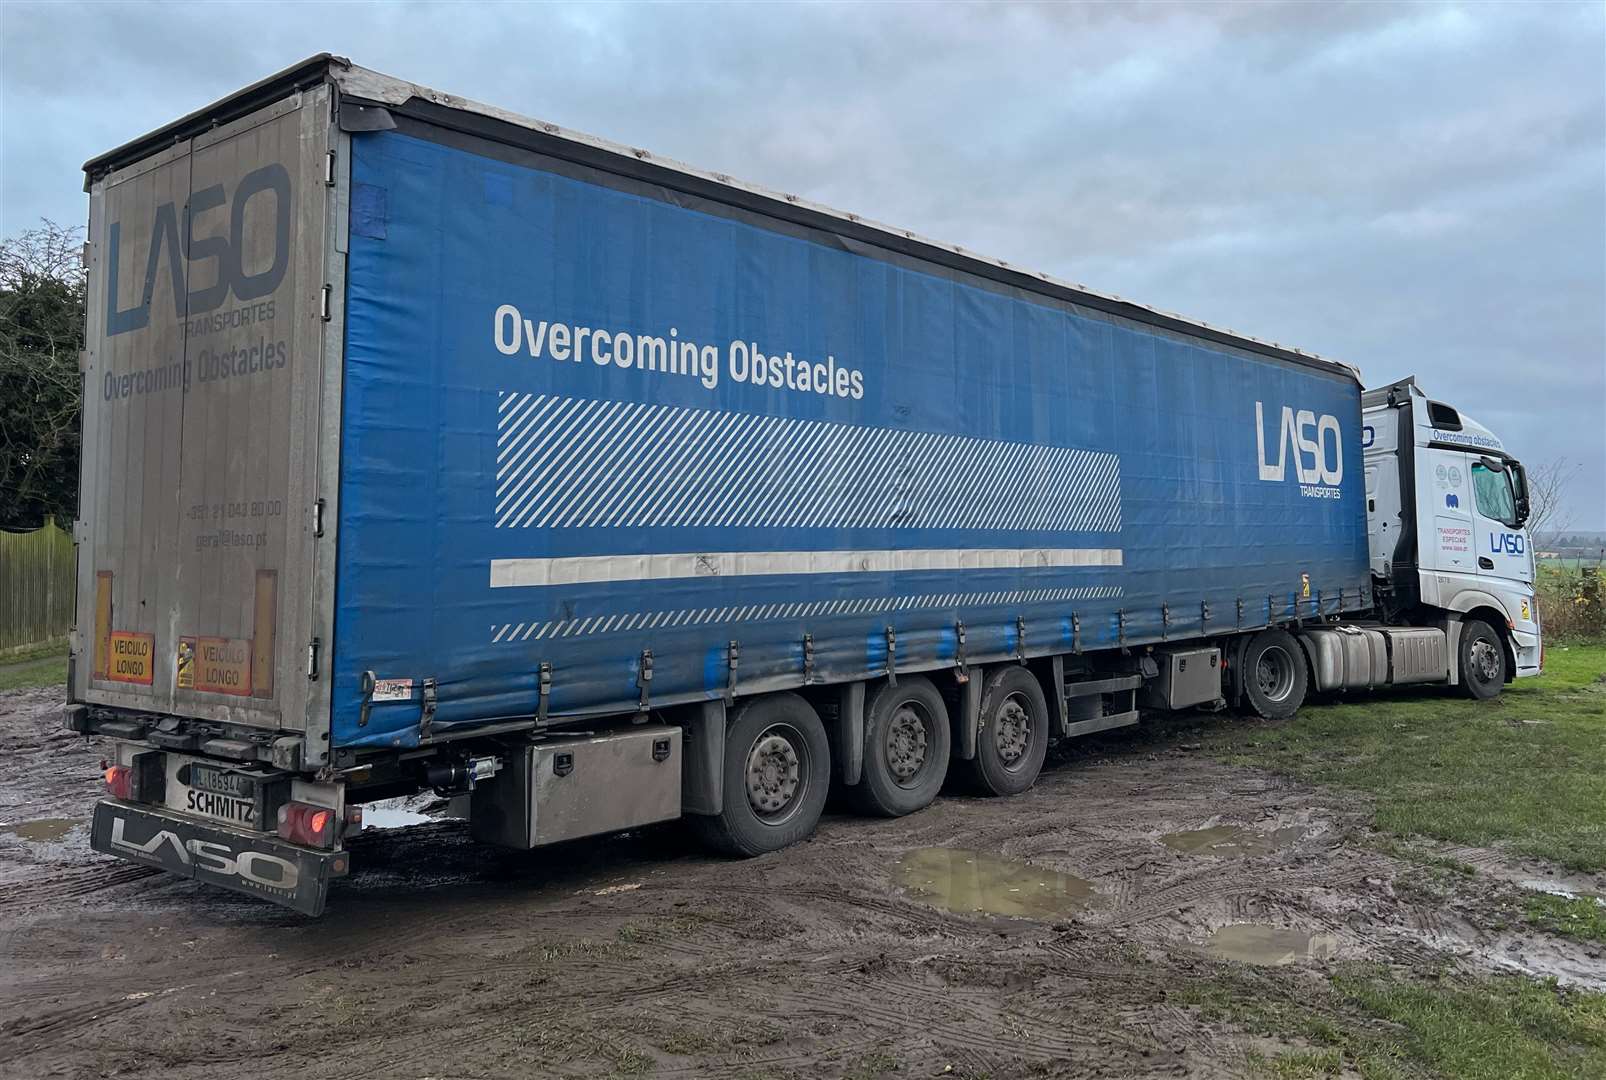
(220, 781)
(219, 793)
(225, 808)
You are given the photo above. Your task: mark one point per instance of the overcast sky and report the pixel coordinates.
(1413, 189)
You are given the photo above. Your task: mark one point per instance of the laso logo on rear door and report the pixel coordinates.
(1314, 443)
(182, 251)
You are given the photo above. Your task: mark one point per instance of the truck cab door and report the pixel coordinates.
(1445, 496)
(1383, 522)
(1502, 543)
(1385, 508)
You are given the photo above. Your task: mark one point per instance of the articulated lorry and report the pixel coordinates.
(427, 446)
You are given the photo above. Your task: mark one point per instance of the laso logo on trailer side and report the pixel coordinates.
(182, 250)
(1315, 444)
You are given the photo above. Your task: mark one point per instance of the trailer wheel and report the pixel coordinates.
(1482, 660)
(1273, 674)
(906, 746)
(777, 772)
(1013, 739)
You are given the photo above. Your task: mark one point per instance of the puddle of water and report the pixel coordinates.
(48, 830)
(1554, 889)
(1549, 887)
(377, 816)
(973, 882)
(404, 810)
(1230, 841)
(1543, 957)
(612, 890)
(1252, 943)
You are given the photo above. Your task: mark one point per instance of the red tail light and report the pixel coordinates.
(303, 823)
(120, 782)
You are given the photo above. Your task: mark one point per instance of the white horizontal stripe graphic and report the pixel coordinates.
(584, 569)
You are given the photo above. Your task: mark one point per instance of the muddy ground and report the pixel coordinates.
(859, 953)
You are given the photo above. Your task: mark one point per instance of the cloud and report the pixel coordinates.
(1413, 189)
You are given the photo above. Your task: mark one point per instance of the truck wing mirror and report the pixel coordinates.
(1492, 464)
(1519, 489)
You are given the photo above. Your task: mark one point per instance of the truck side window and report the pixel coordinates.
(1493, 492)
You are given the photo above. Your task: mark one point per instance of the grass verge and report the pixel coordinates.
(1581, 917)
(1367, 1021)
(38, 667)
(1526, 771)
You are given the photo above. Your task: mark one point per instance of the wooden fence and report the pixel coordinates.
(36, 587)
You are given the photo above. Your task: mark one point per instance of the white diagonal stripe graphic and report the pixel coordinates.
(579, 463)
(606, 624)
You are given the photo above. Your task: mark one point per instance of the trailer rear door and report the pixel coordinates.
(201, 413)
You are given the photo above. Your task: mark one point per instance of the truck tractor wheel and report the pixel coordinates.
(1013, 739)
(1273, 674)
(1482, 660)
(777, 773)
(906, 743)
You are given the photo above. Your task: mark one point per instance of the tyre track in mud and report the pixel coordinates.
(72, 882)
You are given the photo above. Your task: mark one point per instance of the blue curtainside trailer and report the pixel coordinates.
(590, 425)
(515, 464)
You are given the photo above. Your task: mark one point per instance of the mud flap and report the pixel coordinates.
(702, 785)
(250, 863)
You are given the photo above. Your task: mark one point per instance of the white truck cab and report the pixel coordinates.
(1446, 510)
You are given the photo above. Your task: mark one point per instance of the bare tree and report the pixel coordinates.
(1547, 491)
(50, 252)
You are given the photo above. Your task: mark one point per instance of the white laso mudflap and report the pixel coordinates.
(287, 874)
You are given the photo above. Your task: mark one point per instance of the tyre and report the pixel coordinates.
(1273, 674)
(1013, 737)
(906, 748)
(777, 772)
(1482, 660)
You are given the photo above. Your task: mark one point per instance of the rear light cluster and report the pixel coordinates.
(144, 779)
(120, 782)
(313, 826)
